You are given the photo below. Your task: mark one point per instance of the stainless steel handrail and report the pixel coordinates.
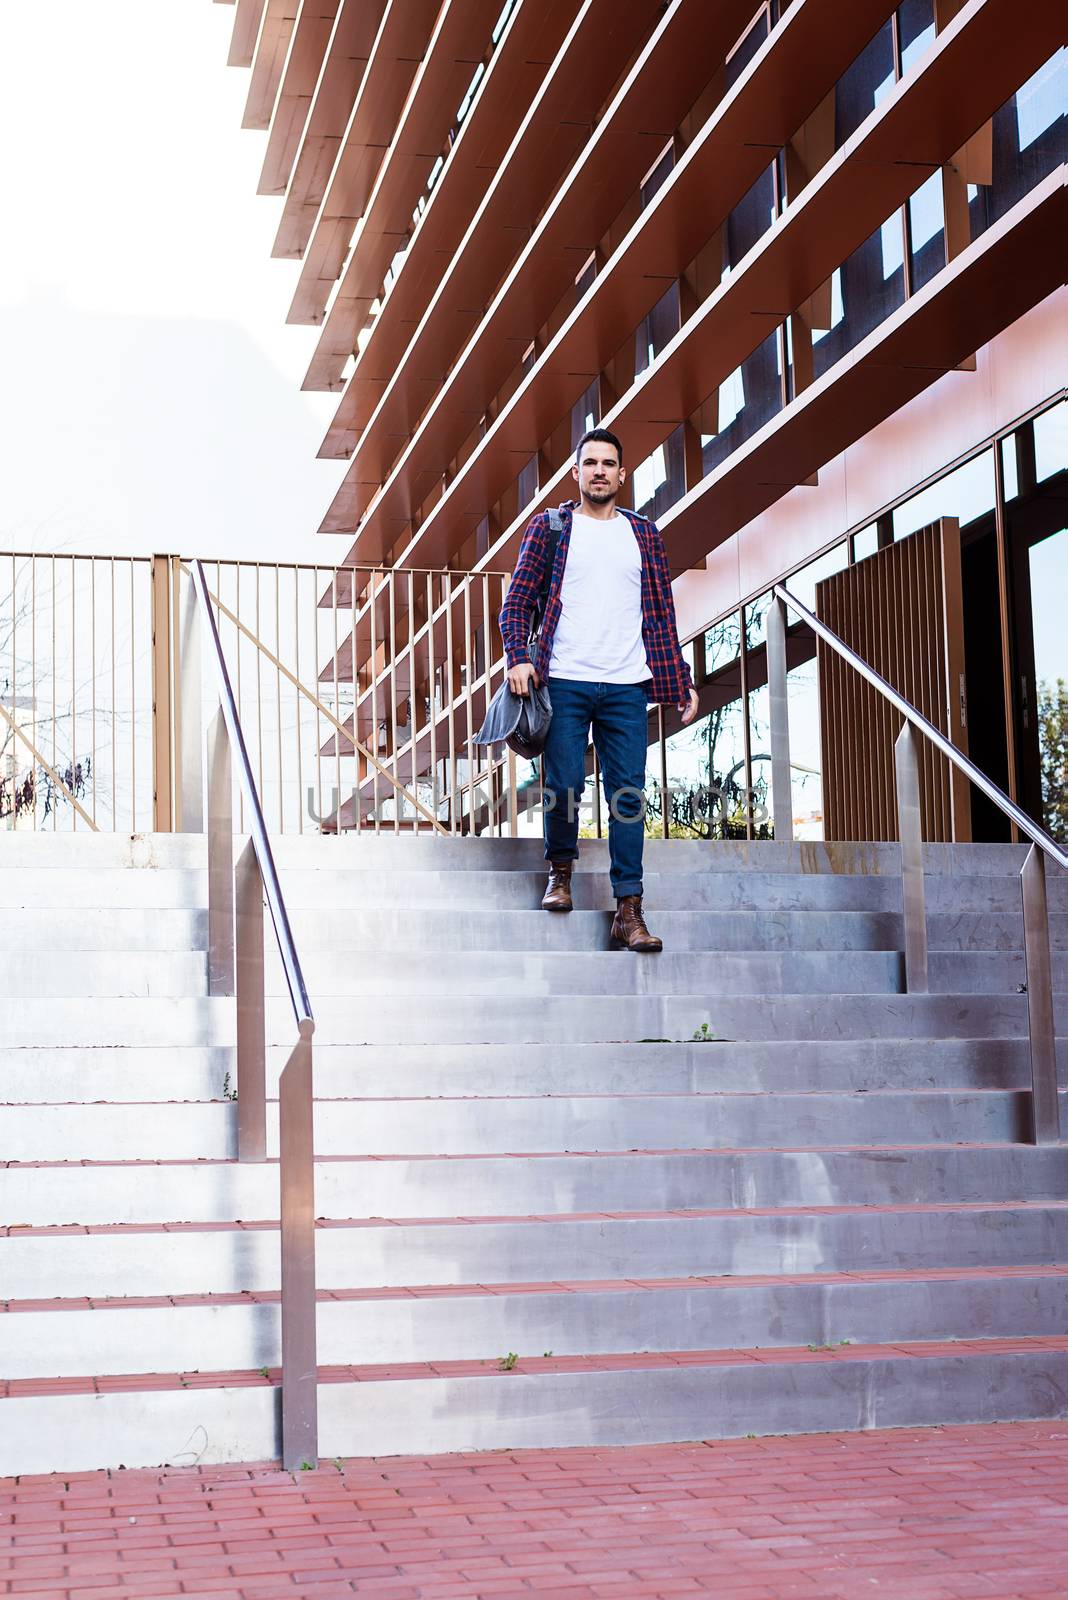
(235, 966)
(1041, 1022)
(1026, 824)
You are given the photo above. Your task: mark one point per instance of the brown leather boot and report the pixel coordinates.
(629, 928)
(557, 896)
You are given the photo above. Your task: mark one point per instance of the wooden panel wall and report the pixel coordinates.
(901, 610)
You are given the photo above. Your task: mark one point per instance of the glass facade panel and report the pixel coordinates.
(868, 79)
(660, 479)
(585, 412)
(806, 781)
(1051, 441)
(872, 286)
(656, 330)
(915, 30)
(965, 494)
(1048, 572)
(927, 243)
(1030, 140)
(751, 396)
(803, 583)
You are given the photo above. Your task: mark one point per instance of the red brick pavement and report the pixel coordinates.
(912, 1514)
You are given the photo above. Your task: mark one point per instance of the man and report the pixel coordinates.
(608, 645)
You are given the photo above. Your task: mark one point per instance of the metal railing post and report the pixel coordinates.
(910, 833)
(779, 722)
(1045, 1108)
(300, 1431)
(220, 861)
(251, 1031)
(189, 734)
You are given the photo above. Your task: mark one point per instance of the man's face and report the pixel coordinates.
(598, 472)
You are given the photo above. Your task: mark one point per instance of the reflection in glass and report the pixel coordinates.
(916, 30)
(927, 245)
(872, 286)
(806, 781)
(1030, 140)
(859, 90)
(803, 583)
(865, 542)
(760, 740)
(761, 389)
(1010, 471)
(964, 494)
(1051, 441)
(1048, 561)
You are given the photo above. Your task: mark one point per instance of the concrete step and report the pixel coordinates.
(518, 1020)
(335, 973)
(592, 1400)
(132, 1074)
(377, 929)
(709, 972)
(668, 889)
(91, 1195)
(162, 851)
(372, 1255)
(544, 1124)
(110, 1338)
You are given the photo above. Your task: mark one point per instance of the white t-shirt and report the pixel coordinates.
(598, 638)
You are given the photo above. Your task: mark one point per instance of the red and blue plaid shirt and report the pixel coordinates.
(669, 669)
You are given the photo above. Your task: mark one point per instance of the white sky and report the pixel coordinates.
(151, 389)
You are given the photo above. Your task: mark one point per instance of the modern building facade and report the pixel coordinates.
(806, 259)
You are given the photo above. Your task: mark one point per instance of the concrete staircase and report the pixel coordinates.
(553, 1211)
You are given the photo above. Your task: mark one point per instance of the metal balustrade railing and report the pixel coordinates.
(235, 966)
(1041, 1020)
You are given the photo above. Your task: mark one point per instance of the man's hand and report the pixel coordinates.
(689, 707)
(519, 679)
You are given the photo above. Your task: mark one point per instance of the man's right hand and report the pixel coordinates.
(519, 679)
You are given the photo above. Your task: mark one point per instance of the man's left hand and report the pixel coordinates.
(689, 707)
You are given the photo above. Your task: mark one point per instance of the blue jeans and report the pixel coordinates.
(619, 715)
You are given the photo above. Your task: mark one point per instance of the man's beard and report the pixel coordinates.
(600, 497)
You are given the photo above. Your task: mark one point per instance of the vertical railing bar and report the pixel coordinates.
(779, 721)
(278, 692)
(114, 712)
(259, 685)
(74, 685)
(910, 833)
(14, 693)
(337, 706)
(413, 716)
(174, 578)
(296, 1171)
(1045, 1105)
(33, 676)
(357, 788)
(447, 667)
(54, 768)
(296, 702)
(249, 988)
(373, 743)
(220, 860)
(597, 796)
(469, 667)
(237, 653)
(431, 677)
(133, 701)
(747, 736)
(393, 696)
(665, 806)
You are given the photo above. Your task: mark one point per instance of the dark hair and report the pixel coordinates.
(600, 436)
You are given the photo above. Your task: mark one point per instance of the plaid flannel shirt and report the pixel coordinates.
(670, 672)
